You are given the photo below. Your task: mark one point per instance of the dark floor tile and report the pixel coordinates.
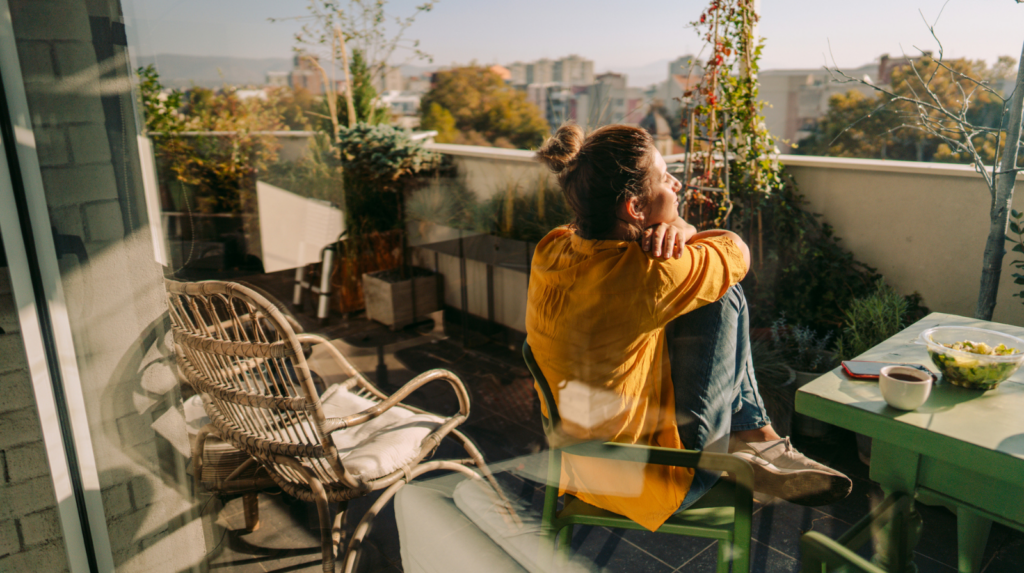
(674, 550)
(938, 535)
(767, 559)
(605, 549)
(1007, 555)
(926, 564)
(780, 525)
(704, 562)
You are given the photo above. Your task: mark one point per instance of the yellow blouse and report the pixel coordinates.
(595, 319)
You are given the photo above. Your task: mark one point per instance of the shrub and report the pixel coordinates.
(875, 318)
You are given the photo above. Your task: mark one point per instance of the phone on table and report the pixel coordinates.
(867, 370)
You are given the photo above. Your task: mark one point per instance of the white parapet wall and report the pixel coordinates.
(922, 225)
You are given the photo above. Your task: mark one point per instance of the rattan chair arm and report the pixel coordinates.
(350, 370)
(736, 466)
(334, 424)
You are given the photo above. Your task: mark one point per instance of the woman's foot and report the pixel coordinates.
(782, 471)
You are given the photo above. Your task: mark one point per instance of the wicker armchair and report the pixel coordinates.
(242, 355)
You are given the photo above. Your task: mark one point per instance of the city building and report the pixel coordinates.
(518, 71)
(305, 73)
(554, 101)
(609, 100)
(570, 71)
(418, 84)
(574, 70)
(390, 80)
(684, 74)
(540, 72)
(797, 99)
(401, 103)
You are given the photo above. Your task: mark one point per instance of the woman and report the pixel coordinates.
(604, 294)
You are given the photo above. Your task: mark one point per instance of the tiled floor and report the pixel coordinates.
(505, 424)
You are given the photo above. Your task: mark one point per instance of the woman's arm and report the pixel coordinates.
(720, 232)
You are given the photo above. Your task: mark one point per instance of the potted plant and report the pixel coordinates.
(807, 354)
(775, 379)
(380, 163)
(868, 322)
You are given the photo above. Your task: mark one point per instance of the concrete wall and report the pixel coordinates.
(30, 536)
(922, 225)
(84, 122)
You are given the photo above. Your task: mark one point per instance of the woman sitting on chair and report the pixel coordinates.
(640, 326)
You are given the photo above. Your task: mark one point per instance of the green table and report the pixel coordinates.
(963, 449)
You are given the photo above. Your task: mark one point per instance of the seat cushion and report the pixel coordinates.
(382, 445)
(521, 538)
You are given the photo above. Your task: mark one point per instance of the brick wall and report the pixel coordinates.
(30, 536)
(82, 117)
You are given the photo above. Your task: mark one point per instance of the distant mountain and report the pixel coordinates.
(179, 71)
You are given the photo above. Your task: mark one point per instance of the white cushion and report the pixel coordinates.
(435, 537)
(521, 539)
(382, 445)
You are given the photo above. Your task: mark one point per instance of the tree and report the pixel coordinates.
(440, 120)
(848, 129)
(857, 125)
(333, 26)
(364, 96)
(161, 109)
(484, 109)
(952, 123)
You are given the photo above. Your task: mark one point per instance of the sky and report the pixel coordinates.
(616, 34)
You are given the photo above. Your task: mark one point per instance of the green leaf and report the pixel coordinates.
(1014, 227)
(1018, 248)
(1018, 281)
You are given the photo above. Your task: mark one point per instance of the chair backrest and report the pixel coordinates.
(240, 352)
(553, 419)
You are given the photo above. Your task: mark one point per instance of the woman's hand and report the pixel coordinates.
(664, 240)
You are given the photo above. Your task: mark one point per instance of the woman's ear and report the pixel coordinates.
(634, 210)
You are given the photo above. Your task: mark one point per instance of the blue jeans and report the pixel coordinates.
(713, 378)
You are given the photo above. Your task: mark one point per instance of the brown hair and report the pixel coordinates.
(600, 171)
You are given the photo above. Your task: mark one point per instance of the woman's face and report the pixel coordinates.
(663, 206)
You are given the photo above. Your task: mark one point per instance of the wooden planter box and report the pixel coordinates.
(393, 303)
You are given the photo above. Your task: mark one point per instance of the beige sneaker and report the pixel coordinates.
(782, 471)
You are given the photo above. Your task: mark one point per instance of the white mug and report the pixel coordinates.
(903, 387)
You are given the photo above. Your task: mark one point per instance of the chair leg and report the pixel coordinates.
(564, 543)
(326, 536)
(723, 556)
(251, 509)
(340, 517)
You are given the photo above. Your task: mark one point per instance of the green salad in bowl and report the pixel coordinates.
(973, 357)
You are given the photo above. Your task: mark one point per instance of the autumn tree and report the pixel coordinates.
(885, 125)
(928, 110)
(485, 110)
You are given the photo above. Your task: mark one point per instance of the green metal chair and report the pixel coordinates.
(723, 513)
(819, 554)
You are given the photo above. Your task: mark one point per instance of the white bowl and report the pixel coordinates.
(904, 394)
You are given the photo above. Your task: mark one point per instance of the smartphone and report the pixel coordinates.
(866, 370)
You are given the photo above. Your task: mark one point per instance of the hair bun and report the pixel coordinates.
(562, 148)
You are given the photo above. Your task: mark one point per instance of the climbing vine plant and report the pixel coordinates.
(728, 92)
